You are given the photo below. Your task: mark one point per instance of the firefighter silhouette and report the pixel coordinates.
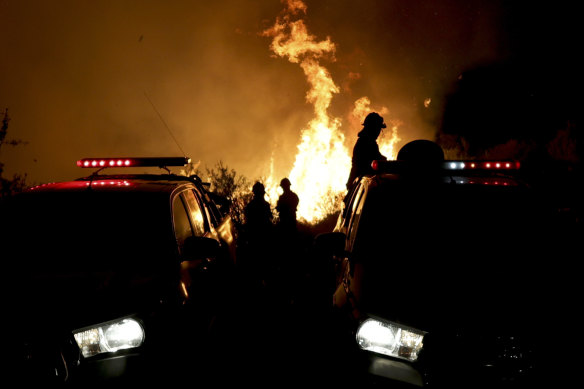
(366, 149)
(258, 235)
(288, 263)
(258, 213)
(286, 207)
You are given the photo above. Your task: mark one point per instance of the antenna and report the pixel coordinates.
(165, 125)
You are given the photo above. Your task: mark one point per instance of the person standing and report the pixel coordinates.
(258, 214)
(366, 149)
(258, 235)
(289, 265)
(286, 206)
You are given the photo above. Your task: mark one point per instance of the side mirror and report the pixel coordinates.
(330, 244)
(198, 247)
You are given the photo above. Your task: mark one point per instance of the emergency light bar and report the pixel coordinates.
(481, 165)
(397, 166)
(133, 162)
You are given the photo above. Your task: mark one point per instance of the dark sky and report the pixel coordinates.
(77, 75)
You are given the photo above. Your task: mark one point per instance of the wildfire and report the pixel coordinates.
(322, 162)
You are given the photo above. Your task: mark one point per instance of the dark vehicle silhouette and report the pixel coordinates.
(444, 273)
(113, 277)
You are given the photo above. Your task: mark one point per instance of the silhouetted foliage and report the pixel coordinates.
(4, 128)
(226, 182)
(229, 188)
(18, 182)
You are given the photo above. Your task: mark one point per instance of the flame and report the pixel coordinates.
(322, 162)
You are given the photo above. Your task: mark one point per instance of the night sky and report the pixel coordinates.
(87, 78)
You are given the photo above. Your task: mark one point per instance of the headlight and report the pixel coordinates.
(391, 339)
(109, 337)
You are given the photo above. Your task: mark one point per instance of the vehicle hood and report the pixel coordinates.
(71, 300)
(479, 295)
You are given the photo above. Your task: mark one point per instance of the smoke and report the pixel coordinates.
(74, 75)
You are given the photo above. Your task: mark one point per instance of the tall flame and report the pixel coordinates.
(323, 162)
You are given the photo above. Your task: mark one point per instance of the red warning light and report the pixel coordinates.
(488, 165)
(131, 162)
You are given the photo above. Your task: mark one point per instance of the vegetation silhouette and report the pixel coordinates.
(9, 186)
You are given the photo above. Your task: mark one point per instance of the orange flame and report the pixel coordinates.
(323, 162)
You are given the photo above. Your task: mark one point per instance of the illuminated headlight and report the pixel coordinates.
(391, 339)
(109, 337)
